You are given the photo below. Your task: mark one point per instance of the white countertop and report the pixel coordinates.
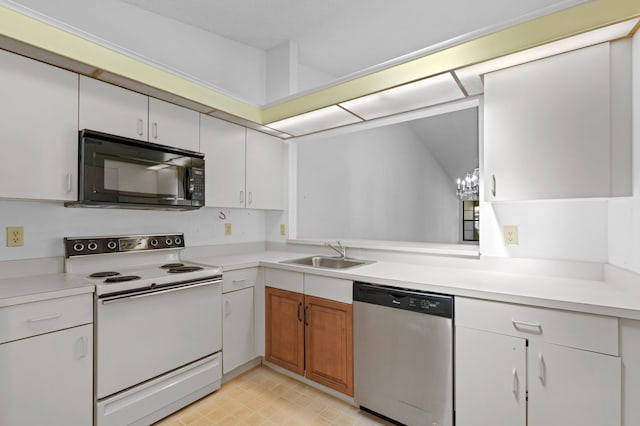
(591, 296)
(33, 288)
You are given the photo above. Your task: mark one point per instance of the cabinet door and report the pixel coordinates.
(265, 170)
(238, 341)
(112, 109)
(284, 329)
(329, 343)
(223, 145)
(173, 125)
(39, 121)
(490, 379)
(48, 379)
(547, 128)
(573, 387)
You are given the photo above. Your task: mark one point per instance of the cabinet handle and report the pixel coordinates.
(239, 281)
(493, 185)
(139, 124)
(515, 382)
(69, 182)
(306, 318)
(250, 197)
(227, 308)
(45, 318)
(154, 130)
(520, 324)
(242, 196)
(84, 346)
(299, 311)
(541, 368)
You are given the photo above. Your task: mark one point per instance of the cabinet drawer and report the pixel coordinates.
(239, 279)
(578, 330)
(284, 280)
(329, 288)
(30, 319)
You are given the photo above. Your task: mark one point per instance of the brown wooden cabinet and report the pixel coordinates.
(312, 336)
(284, 332)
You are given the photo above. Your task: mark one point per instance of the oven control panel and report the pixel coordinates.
(120, 244)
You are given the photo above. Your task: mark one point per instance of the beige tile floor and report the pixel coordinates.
(262, 396)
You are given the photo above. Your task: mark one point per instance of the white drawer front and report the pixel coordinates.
(329, 288)
(578, 330)
(239, 279)
(30, 319)
(284, 280)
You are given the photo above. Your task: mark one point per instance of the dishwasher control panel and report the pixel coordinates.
(402, 298)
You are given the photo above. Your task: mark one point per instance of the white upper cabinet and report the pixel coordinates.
(223, 145)
(245, 168)
(39, 122)
(549, 128)
(265, 170)
(173, 125)
(112, 109)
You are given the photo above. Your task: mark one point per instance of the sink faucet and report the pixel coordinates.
(340, 249)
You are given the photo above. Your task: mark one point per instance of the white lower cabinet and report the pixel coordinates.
(48, 379)
(508, 372)
(569, 386)
(238, 325)
(490, 378)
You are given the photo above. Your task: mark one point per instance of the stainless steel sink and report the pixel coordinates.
(327, 262)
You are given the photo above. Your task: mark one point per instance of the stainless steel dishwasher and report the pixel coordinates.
(403, 354)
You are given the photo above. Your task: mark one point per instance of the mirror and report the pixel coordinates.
(394, 182)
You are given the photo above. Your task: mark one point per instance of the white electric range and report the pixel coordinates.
(158, 325)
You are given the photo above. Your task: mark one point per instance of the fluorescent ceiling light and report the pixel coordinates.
(429, 91)
(470, 77)
(314, 121)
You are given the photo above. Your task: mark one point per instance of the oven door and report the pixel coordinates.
(121, 171)
(143, 335)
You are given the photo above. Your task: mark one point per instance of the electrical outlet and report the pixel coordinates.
(282, 230)
(227, 229)
(510, 235)
(15, 236)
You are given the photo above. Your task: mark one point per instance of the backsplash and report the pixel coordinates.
(47, 223)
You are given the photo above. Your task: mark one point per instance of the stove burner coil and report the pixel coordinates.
(172, 265)
(122, 278)
(104, 274)
(180, 269)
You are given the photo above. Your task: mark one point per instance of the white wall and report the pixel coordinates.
(380, 184)
(228, 65)
(624, 213)
(47, 223)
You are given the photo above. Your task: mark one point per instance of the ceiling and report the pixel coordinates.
(452, 138)
(341, 37)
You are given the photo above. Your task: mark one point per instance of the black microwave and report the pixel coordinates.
(115, 171)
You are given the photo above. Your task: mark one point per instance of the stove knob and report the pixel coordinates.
(111, 245)
(168, 241)
(92, 246)
(154, 242)
(78, 246)
(178, 241)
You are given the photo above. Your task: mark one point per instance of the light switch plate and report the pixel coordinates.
(510, 233)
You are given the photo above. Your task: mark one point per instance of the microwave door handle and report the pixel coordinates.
(190, 187)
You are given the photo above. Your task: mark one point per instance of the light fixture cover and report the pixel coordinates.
(314, 121)
(420, 94)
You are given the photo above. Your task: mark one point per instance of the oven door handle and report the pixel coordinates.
(114, 299)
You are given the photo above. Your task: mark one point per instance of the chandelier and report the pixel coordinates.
(469, 188)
